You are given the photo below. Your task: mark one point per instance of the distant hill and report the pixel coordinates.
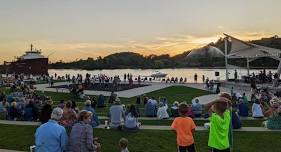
(204, 57)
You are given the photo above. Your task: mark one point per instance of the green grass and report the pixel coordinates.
(21, 137)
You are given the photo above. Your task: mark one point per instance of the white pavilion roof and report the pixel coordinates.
(242, 49)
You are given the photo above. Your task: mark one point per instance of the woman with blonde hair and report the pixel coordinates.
(69, 116)
(81, 136)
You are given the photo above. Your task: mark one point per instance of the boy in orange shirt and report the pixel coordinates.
(184, 128)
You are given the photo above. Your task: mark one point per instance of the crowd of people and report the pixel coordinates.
(64, 123)
(263, 103)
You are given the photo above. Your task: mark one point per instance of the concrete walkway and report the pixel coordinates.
(150, 127)
(201, 128)
(154, 86)
(125, 94)
(154, 118)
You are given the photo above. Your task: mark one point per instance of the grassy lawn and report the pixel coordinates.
(174, 93)
(21, 137)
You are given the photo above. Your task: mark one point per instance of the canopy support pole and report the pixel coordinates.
(225, 58)
(279, 69)
(248, 67)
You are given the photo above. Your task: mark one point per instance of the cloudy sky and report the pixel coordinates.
(75, 29)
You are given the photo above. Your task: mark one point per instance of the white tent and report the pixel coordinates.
(250, 51)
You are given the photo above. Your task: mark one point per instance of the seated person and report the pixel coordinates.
(131, 120)
(164, 101)
(243, 109)
(80, 91)
(1, 107)
(145, 100)
(81, 136)
(94, 120)
(189, 111)
(61, 104)
(162, 111)
(69, 116)
(112, 97)
(236, 122)
(46, 112)
(274, 114)
(28, 112)
(20, 106)
(9, 98)
(138, 102)
(13, 113)
(116, 114)
(100, 103)
(150, 108)
(197, 108)
(257, 110)
(175, 109)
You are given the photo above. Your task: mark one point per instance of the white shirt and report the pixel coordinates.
(162, 112)
(256, 110)
(125, 150)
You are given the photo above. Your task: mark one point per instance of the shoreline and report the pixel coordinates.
(207, 68)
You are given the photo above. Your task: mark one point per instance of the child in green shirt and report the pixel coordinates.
(220, 119)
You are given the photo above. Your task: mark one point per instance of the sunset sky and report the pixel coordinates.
(75, 29)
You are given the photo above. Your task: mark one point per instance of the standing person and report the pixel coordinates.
(195, 78)
(81, 136)
(203, 79)
(125, 76)
(185, 80)
(235, 75)
(220, 124)
(184, 127)
(50, 136)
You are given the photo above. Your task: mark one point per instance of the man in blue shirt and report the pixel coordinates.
(197, 108)
(150, 108)
(50, 136)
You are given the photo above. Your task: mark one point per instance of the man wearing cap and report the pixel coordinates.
(50, 136)
(116, 114)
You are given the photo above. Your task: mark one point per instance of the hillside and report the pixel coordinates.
(207, 56)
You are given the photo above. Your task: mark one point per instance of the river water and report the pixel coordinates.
(184, 72)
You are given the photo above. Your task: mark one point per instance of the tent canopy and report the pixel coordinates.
(242, 49)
